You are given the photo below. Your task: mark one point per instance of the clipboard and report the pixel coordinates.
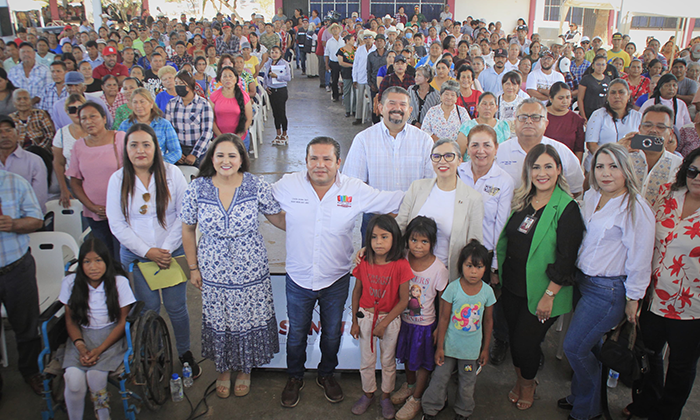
(158, 278)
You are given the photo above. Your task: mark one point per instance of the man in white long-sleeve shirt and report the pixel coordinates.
(530, 125)
(359, 73)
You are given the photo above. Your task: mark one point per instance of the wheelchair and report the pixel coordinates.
(147, 362)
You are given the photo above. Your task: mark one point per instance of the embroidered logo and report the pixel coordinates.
(344, 201)
(492, 191)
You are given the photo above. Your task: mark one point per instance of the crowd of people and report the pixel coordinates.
(502, 183)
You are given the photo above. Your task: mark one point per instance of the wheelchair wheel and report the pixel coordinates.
(153, 359)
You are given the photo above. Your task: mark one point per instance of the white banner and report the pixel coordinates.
(349, 353)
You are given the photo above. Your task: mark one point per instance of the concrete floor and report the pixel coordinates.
(311, 113)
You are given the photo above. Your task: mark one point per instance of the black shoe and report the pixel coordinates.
(36, 383)
(347, 114)
(357, 122)
(336, 99)
(564, 404)
(322, 86)
(189, 358)
(498, 352)
(331, 388)
(290, 393)
(541, 366)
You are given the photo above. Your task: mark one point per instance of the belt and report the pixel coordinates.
(9, 267)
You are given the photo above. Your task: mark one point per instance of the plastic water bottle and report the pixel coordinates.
(612, 378)
(176, 391)
(187, 375)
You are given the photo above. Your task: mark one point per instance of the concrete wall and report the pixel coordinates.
(507, 12)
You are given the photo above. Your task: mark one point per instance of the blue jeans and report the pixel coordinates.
(366, 217)
(601, 308)
(174, 299)
(300, 307)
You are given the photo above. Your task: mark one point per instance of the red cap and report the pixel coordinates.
(18, 41)
(65, 28)
(226, 26)
(109, 51)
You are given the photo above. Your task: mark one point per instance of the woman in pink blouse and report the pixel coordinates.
(93, 160)
(673, 315)
(233, 111)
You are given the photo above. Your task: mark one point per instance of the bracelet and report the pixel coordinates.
(194, 266)
(630, 300)
(76, 341)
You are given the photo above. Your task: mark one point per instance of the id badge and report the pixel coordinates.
(527, 223)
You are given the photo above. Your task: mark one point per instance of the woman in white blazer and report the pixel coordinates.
(457, 209)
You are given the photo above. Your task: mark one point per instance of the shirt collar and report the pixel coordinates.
(386, 132)
(338, 178)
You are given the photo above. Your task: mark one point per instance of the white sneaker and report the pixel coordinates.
(409, 410)
(399, 397)
(328, 88)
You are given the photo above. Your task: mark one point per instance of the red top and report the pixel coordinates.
(567, 129)
(469, 103)
(380, 283)
(118, 70)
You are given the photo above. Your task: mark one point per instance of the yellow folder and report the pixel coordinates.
(160, 278)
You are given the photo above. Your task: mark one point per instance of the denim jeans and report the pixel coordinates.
(366, 217)
(600, 309)
(174, 299)
(300, 307)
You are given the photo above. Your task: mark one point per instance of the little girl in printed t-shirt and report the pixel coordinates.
(97, 301)
(379, 297)
(416, 343)
(464, 333)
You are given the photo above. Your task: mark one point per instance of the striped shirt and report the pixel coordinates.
(167, 138)
(39, 77)
(577, 71)
(18, 201)
(193, 123)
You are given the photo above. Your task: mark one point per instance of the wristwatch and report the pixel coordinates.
(549, 293)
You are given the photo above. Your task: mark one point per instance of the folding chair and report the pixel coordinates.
(190, 172)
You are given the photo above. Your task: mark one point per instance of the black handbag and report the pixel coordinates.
(623, 352)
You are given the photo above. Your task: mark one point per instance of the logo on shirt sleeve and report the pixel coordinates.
(344, 201)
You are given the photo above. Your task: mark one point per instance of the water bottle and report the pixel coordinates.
(612, 378)
(176, 391)
(187, 375)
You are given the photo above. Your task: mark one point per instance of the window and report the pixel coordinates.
(653, 22)
(344, 7)
(553, 7)
(431, 9)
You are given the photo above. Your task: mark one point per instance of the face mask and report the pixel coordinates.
(181, 90)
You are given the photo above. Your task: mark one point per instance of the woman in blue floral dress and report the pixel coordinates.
(239, 328)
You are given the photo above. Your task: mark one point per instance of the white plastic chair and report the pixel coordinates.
(190, 172)
(291, 70)
(366, 108)
(67, 220)
(253, 129)
(47, 250)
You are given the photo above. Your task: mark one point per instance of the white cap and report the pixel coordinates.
(392, 29)
(695, 51)
(387, 17)
(564, 65)
(399, 26)
(585, 38)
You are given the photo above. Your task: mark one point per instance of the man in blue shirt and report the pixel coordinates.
(490, 78)
(19, 294)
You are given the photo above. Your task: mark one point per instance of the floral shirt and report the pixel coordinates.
(434, 122)
(637, 91)
(676, 267)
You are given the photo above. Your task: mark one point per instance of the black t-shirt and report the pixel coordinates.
(596, 92)
(95, 86)
(569, 233)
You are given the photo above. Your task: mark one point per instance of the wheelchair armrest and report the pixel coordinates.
(69, 264)
(50, 311)
(135, 311)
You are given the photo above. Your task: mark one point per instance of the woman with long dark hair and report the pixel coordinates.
(97, 300)
(229, 266)
(671, 315)
(144, 199)
(565, 126)
(593, 88)
(665, 93)
(276, 86)
(537, 254)
(93, 160)
(233, 110)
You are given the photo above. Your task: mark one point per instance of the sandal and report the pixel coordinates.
(284, 139)
(241, 387)
(227, 387)
(512, 396)
(526, 404)
(278, 141)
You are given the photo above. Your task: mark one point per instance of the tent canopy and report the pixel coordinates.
(25, 5)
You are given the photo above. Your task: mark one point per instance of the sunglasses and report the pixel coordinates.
(146, 197)
(72, 110)
(692, 173)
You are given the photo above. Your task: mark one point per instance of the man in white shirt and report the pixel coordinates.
(539, 81)
(490, 78)
(654, 169)
(530, 125)
(391, 154)
(333, 44)
(521, 40)
(359, 73)
(321, 208)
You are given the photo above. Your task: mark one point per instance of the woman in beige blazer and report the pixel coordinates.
(457, 209)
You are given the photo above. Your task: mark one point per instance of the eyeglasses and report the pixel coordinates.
(72, 110)
(146, 197)
(650, 125)
(692, 173)
(449, 157)
(534, 117)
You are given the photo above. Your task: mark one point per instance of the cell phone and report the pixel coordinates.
(650, 143)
